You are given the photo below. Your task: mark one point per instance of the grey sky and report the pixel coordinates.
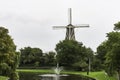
(30, 21)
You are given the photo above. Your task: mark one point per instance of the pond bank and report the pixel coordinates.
(3, 78)
(101, 75)
(96, 75)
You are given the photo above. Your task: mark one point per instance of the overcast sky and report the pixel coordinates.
(30, 21)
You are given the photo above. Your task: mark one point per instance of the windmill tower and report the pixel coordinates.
(70, 34)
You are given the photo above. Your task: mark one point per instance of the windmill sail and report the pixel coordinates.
(81, 25)
(69, 16)
(70, 34)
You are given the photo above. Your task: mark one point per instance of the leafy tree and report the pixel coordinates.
(90, 59)
(113, 53)
(30, 56)
(100, 56)
(34, 57)
(9, 58)
(96, 64)
(109, 51)
(71, 54)
(117, 26)
(49, 59)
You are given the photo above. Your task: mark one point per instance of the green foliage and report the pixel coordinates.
(49, 59)
(101, 52)
(34, 57)
(36, 64)
(109, 52)
(96, 64)
(30, 56)
(100, 56)
(112, 57)
(72, 53)
(14, 76)
(117, 26)
(9, 58)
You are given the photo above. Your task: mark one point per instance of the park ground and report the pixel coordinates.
(3, 78)
(100, 75)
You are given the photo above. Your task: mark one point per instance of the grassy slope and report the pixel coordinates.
(3, 78)
(97, 75)
(101, 76)
(35, 70)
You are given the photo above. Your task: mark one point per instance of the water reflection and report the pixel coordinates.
(57, 77)
(36, 76)
(50, 77)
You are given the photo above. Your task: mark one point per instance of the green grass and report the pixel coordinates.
(101, 76)
(35, 70)
(96, 75)
(3, 78)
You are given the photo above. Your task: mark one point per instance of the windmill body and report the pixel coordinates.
(70, 34)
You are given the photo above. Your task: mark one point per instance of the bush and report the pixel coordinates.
(14, 76)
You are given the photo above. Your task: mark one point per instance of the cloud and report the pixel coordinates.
(30, 21)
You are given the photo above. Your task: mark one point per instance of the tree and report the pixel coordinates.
(9, 58)
(71, 54)
(109, 51)
(34, 57)
(90, 58)
(113, 53)
(100, 56)
(30, 56)
(49, 59)
(117, 26)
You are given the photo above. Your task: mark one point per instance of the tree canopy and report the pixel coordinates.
(113, 52)
(101, 53)
(30, 56)
(34, 57)
(9, 58)
(71, 53)
(109, 51)
(117, 26)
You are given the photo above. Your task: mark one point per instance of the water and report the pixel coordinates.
(56, 76)
(36, 76)
(52, 76)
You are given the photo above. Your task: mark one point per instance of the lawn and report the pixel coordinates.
(35, 70)
(101, 75)
(96, 75)
(3, 78)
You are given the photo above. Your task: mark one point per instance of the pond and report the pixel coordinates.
(37, 76)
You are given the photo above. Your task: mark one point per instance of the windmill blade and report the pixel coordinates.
(59, 27)
(70, 16)
(81, 26)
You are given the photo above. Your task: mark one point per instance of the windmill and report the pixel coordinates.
(70, 34)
